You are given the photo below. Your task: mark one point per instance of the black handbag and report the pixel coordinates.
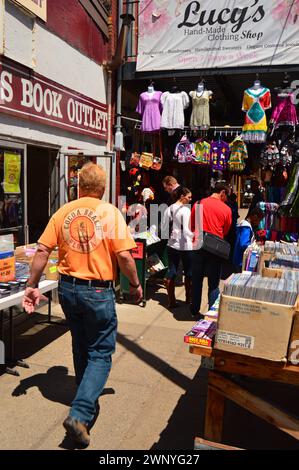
(215, 245)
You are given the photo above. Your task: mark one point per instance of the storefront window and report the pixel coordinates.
(11, 198)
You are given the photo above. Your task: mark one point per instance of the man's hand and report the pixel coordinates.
(137, 293)
(128, 268)
(31, 299)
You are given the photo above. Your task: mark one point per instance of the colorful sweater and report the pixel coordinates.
(238, 154)
(219, 155)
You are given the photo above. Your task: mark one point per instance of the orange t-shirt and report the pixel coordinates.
(88, 233)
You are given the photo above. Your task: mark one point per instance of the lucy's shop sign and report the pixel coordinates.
(34, 97)
(198, 34)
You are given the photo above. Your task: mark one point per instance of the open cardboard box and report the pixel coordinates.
(293, 351)
(255, 328)
(25, 254)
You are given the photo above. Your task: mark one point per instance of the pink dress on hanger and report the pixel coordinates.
(150, 108)
(284, 113)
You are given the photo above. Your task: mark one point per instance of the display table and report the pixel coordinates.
(45, 287)
(221, 387)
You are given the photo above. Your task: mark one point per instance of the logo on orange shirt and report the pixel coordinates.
(82, 230)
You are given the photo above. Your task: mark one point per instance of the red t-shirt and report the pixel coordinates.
(216, 217)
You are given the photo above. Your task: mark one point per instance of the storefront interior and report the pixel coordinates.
(42, 189)
(226, 121)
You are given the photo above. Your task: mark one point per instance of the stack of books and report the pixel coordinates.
(202, 333)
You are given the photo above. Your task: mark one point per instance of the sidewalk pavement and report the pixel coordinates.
(151, 399)
(154, 397)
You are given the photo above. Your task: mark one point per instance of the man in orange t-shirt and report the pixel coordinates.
(92, 238)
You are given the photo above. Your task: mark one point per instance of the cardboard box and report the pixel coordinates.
(272, 272)
(254, 328)
(293, 352)
(25, 254)
(51, 271)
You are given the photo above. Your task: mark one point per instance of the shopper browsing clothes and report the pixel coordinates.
(245, 235)
(92, 237)
(175, 228)
(170, 185)
(214, 217)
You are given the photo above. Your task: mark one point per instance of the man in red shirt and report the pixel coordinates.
(216, 218)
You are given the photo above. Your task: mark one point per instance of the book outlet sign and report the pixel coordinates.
(34, 97)
(184, 34)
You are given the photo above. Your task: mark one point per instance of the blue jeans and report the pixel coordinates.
(90, 313)
(174, 257)
(205, 264)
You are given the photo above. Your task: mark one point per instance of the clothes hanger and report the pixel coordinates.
(151, 87)
(257, 82)
(174, 88)
(201, 87)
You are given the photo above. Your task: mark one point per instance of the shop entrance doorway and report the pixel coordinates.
(71, 161)
(42, 189)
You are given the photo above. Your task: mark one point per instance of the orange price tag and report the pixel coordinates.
(7, 269)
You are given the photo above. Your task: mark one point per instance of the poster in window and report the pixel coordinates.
(12, 173)
(37, 7)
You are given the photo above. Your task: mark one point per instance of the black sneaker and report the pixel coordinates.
(77, 431)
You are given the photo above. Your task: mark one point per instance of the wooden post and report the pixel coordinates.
(214, 415)
(248, 401)
(239, 190)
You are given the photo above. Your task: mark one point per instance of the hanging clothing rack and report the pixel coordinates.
(215, 128)
(130, 119)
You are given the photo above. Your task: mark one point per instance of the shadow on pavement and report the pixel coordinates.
(241, 428)
(30, 336)
(55, 385)
(187, 419)
(180, 313)
(155, 362)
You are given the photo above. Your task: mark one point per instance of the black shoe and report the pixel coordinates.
(77, 431)
(197, 316)
(193, 314)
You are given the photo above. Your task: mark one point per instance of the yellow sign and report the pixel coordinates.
(12, 173)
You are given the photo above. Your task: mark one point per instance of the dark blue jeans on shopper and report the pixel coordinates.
(205, 264)
(90, 313)
(174, 257)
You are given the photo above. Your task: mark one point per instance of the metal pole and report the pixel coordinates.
(119, 76)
